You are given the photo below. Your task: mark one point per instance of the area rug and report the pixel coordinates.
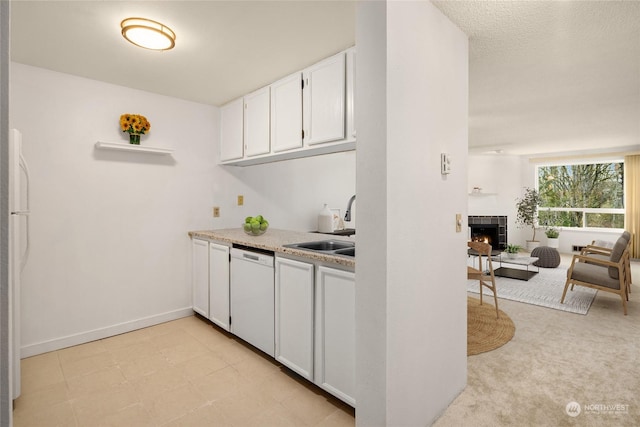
(485, 332)
(543, 289)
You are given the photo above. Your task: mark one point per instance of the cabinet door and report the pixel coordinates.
(200, 276)
(324, 101)
(231, 129)
(335, 333)
(351, 94)
(256, 123)
(286, 113)
(294, 315)
(219, 285)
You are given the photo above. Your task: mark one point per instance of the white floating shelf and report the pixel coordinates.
(131, 147)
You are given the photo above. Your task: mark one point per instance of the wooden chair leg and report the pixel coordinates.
(564, 293)
(495, 299)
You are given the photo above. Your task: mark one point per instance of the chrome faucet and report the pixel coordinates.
(347, 215)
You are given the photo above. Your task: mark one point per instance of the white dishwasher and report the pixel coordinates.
(252, 298)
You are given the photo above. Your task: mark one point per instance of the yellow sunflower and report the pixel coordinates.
(134, 123)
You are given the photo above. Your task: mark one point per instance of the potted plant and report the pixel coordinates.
(512, 250)
(552, 237)
(527, 213)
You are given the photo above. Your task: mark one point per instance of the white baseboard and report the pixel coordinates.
(97, 334)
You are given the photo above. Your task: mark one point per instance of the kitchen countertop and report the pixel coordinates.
(274, 240)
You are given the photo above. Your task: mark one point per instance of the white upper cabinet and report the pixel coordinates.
(231, 129)
(307, 113)
(325, 101)
(286, 113)
(256, 122)
(351, 94)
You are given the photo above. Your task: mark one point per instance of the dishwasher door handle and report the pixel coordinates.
(250, 257)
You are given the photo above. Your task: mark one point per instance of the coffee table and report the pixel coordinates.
(516, 273)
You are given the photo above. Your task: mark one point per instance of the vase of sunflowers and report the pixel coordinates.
(135, 125)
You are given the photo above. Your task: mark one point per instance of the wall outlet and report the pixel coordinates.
(240, 200)
(216, 212)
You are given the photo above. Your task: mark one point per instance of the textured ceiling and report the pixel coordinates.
(551, 76)
(545, 76)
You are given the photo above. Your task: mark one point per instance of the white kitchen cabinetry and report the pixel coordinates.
(231, 130)
(335, 333)
(286, 113)
(325, 101)
(294, 300)
(200, 276)
(219, 285)
(256, 123)
(322, 111)
(351, 94)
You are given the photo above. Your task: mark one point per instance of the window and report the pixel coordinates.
(582, 195)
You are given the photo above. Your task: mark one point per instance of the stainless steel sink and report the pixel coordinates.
(334, 247)
(346, 252)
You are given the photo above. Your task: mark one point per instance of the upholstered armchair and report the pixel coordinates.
(596, 250)
(608, 274)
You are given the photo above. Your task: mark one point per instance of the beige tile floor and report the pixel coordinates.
(180, 373)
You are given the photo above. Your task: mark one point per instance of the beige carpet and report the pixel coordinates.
(485, 331)
(557, 358)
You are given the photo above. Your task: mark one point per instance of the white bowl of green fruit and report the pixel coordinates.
(255, 225)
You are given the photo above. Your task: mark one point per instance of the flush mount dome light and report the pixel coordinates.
(148, 34)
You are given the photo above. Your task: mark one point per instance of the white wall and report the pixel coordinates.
(109, 244)
(290, 193)
(411, 314)
(500, 178)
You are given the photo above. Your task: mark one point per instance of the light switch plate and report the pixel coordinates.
(240, 200)
(458, 223)
(445, 164)
(216, 212)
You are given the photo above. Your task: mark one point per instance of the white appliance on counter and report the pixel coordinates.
(252, 293)
(18, 249)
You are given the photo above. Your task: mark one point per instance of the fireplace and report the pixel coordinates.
(489, 229)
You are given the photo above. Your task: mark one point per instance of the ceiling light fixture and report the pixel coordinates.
(148, 34)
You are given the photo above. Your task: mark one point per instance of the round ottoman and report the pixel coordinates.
(548, 257)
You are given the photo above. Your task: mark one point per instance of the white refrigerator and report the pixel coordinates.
(18, 249)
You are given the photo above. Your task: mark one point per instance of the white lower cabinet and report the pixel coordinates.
(335, 369)
(314, 310)
(294, 315)
(219, 285)
(200, 276)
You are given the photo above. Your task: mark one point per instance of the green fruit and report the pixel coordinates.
(248, 219)
(247, 227)
(255, 225)
(259, 218)
(264, 225)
